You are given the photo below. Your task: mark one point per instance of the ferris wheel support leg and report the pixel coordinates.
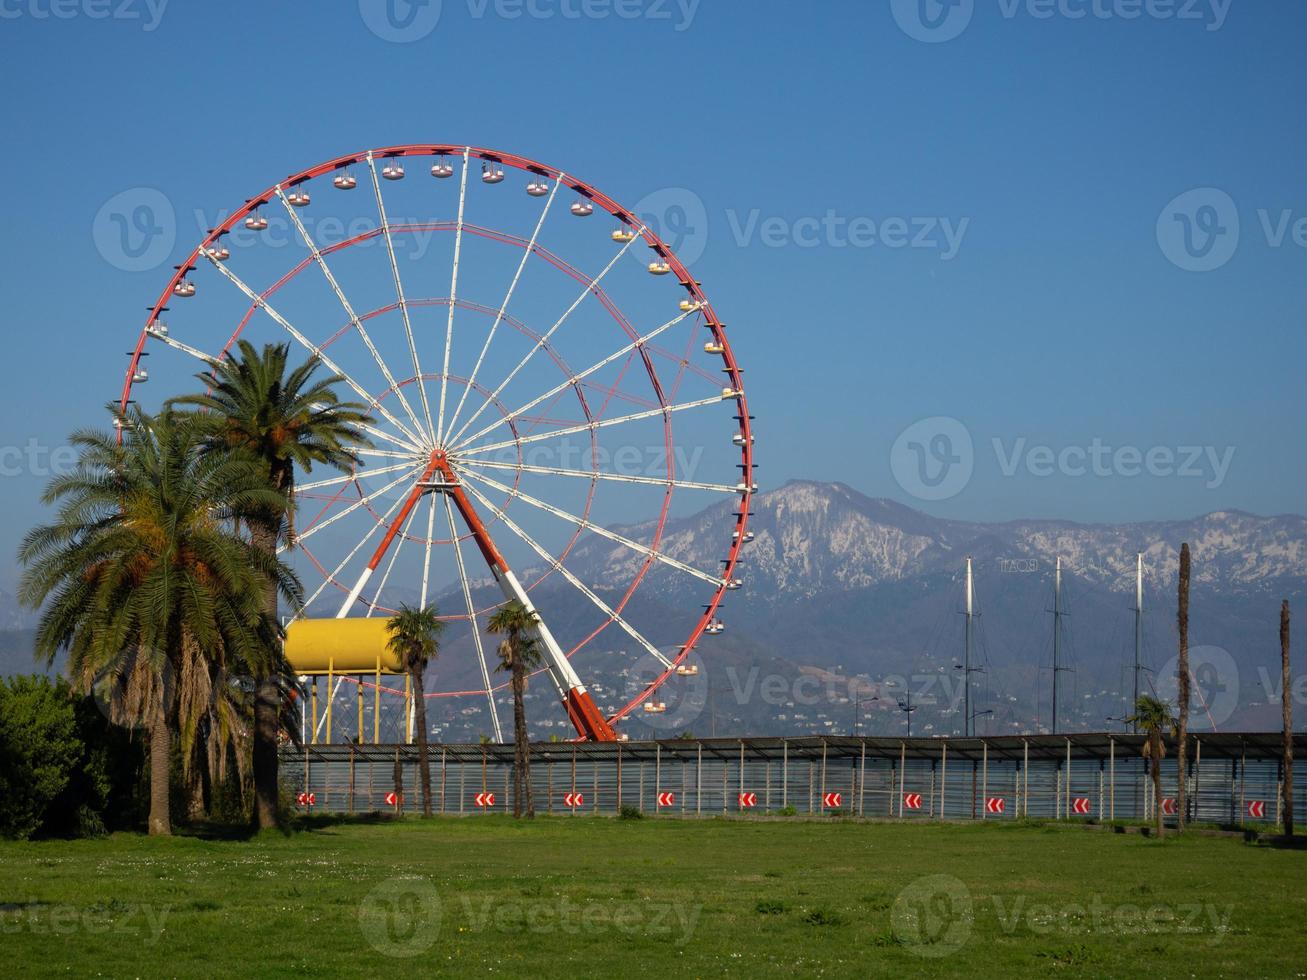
(581, 709)
(414, 496)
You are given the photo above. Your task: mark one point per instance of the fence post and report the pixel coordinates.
(1198, 776)
(785, 774)
(903, 763)
(698, 782)
(1025, 775)
(823, 771)
(862, 781)
(741, 768)
(1111, 755)
(658, 769)
(619, 777)
(1066, 804)
(984, 780)
(943, 776)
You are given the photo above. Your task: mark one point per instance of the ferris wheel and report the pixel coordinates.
(549, 395)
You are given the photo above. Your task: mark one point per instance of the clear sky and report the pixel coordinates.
(905, 211)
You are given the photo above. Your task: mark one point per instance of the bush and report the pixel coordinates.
(38, 749)
(629, 812)
(64, 769)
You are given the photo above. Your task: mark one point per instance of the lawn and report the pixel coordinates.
(592, 896)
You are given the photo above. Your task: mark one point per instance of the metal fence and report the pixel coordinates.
(1232, 779)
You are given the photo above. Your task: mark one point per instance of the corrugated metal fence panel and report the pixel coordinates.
(705, 779)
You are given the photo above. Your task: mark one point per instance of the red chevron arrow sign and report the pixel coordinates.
(995, 804)
(484, 799)
(833, 800)
(307, 799)
(1168, 806)
(1081, 804)
(573, 799)
(1257, 808)
(392, 799)
(748, 800)
(666, 799)
(912, 801)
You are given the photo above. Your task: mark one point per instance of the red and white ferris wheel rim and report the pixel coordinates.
(701, 308)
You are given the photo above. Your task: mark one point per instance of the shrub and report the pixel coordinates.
(630, 813)
(64, 769)
(38, 749)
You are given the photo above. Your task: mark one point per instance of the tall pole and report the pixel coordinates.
(1057, 634)
(966, 666)
(1139, 633)
(1286, 707)
(1182, 697)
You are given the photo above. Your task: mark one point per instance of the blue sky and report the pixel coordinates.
(983, 237)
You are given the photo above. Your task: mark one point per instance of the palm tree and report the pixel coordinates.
(415, 639)
(147, 585)
(1154, 717)
(284, 421)
(519, 654)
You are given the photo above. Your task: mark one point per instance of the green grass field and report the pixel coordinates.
(590, 896)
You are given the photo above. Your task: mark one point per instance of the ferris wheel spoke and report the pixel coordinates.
(590, 287)
(426, 559)
(383, 453)
(347, 477)
(503, 307)
(589, 426)
(611, 614)
(390, 564)
(570, 382)
(311, 347)
(208, 359)
(349, 309)
(327, 580)
(399, 293)
(453, 299)
(376, 433)
(472, 620)
(586, 525)
(362, 501)
(654, 481)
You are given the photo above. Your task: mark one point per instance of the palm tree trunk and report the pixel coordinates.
(521, 753)
(1182, 706)
(267, 706)
(160, 769)
(424, 765)
(1286, 708)
(1155, 741)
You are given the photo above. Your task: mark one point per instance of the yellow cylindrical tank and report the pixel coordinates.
(341, 646)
